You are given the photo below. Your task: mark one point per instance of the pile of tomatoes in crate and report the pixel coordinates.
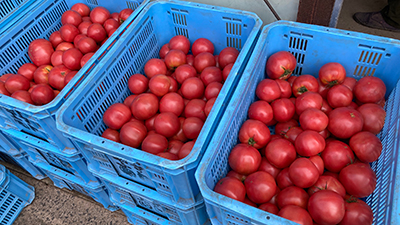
(172, 100)
(315, 168)
(56, 61)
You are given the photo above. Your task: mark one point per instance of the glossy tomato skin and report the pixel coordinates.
(366, 146)
(328, 183)
(303, 84)
(344, 122)
(138, 83)
(159, 85)
(293, 196)
(42, 94)
(40, 51)
(268, 90)
(124, 14)
(260, 187)
(111, 134)
(192, 88)
(283, 179)
(144, 106)
(266, 166)
(195, 108)
(154, 67)
(280, 153)
(172, 102)
(254, 133)
(339, 96)
(244, 159)
(167, 124)
(155, 143)
(236, 175)
(168, 155)
(292, 134)
(282, 128)
(309, 143)
(202, 45)
(337, 155)
(357, 213)
(192, 127)
(358, 179)
(185, 149)
(27, 70)
(280, 65)
(269, 207)
(232, 188)
(81, 8)
(369, 89)
(326, 207)
(23, 95)
(296, 214)
(261, 110)
(349, 82)
(99, 15)
(226, 56)
(308, 100)
(133, 133)
(286, 89)
(332, 74)
(71, 17)
(179, 42)
(116, 116)
(318, 163)
(283, 109)
(374, 117)
(303, 173)
(313, 119)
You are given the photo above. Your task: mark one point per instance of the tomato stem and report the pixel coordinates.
(251, 141)
(302, 89)
(286, 72)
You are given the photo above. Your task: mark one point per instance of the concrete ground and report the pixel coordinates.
(54, 206)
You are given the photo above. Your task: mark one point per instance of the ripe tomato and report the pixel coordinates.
(71, 17)
(144, 106)
(303, 84)
(358, 179)
(283, 109)
(185, 149)
(168, 155)
(138, 84)
(366, 146)
(55, 38)
(174, 59)
(124, 14)
(155, 143)
(68, 32)
(292, 134)
(309, 143)
(293, 196)
(374, 117)
(99, 15)
(167, 124)
(327, 183)
(369, 90)
(325, 107)
(244, 159)
(27, 70)
(313, 119)
(303, 173)
(192, 88)
(81, 8)
(339, 96)
(179, 42)
(16, 82)
(72, 59)
(111, 134)
(266, 166)
(280, 65)
(337, 155)
(57, 77)
(164, 50)
(308, 100)
(349, 82)
(40, 51)
(202, 45)
(332, 74)
(357, 213)
(192, 127)
(286, 89)
(236, 175)
(268, 90)
(184, 72)
(42, 94)
(174, 146)
(203, 60)
(195, 108)
(132, 133)
(260, 187)
(280, 153)
(296, 214)
(23, 95)
(326, 207)
(226, 56)
(344, 122)
(212, 90)
(208, 106)
(159, 85)
(283, 180)
(154, 67)
(261, 110)
(269, 207)
(172, 102)
(232, 188)
(318, 163)
(254, 133)
(211, 74)
(117, 115)
(282, 128)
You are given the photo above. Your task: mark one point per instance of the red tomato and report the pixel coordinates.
(81, 8)
(27, 70)
(244, 159)
(212, 90)
(292, 134)
(83, 27)
(117, 115)
(357, 213)
(369, 90)
(226, 71)
(132, 133)
(266, 166)
(40, 51)
(167, 124)
(286, 89)
(192, 127)
(327, 183)
(3, 89)
(172, 102)
(23, 95)
(154, 67)
(226, 56)
(195, 108)
(124, 14)
(260, 187)
(55, 38)
(232, 188)
(345, 122)
(292, 196)
(155, 143)
(303, 84)
(326, 207)
(164, 50)
(337, 155)
(309, 143)
(72, 59)
(296, 214)
(64, 46)
(192, 88)
(236, 175)
(144, 106)
(99, 15)
(185, 149)
(339, 96)
(325, 107)
(318, 163)
(374, 117)
(203, 60)
(282, 128)
(168, 155)
(254, 133)
(57, 77)
(291, 80)
(87, 45)
(179, 42)
(349, 82)
(268, 90)
(174, 146)
(184, 72)
(303, 173)
(280, 65)
(68, 32)
(42, 94)
(323, 89)
(180, 135)
(190, 59)
(280, 153)
(86, 58)
(283, 180)
(283, 109)
(261, 110)
(313, 119)
(211, 74)
(41, 74)
(269, 207)
(159, 85)
(332, 74)
(358, 179)
(138, 84)
(202, 45)
(71, 17)
(366, 146)
(56, 58)
(308, 100)
(97, 32)
(111, 134)
(174, 59)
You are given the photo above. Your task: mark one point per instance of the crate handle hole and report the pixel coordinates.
(268, 217)
(122, 148)
(143, 189)
(102, 142)
(127, 183)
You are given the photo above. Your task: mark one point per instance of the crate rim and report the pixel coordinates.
(237, 206)
(144, 156)
(7, 101)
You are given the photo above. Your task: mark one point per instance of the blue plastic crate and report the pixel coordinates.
(7, 145)
(156, 208)
(40, 22)
(15, 194)
(80, 119)
(12, 11)
(62, 179)
(41, 152)
(22, 161)
(313, 46)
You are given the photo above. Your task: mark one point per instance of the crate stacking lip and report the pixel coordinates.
(313, 46)
(40, 22)
(40, 151)
(61, 179)
(153, 207)
(80, 119)
(15, 194)
(8, 145)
